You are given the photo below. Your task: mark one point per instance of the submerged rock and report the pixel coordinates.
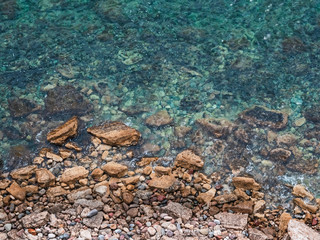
(60, 134)
(66, 100)
(217, 127)
(21, 107)
(280, 155)
(160, 118)
(261, 116)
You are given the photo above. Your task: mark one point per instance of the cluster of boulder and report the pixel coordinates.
(106, 199)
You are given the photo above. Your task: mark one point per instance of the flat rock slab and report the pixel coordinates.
(233, 221)
(23, 173)
(95, 221)
(92, 204)
(74, 174)
(300, 231)
(177, 210)
(35, 220)
(116, 134)
(189, 160)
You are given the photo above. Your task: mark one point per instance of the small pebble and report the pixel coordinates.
(51, 235)
(8, 227)
(118, 231)
(216, 221)
(169, 233)
(148, 224)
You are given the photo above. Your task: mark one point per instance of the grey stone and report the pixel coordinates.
(34, 220)
(177, 210)
(79, 194)
(95, 221)
(255, 234)
(8, 227)
(92, 204)
(92, 213)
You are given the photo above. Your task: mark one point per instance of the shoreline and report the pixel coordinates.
(85, 201)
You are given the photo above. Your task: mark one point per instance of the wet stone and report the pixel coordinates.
(21, 107)
(66, 100)
(261, 116)
(60, 134)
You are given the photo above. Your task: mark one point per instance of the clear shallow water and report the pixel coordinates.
(126, 60)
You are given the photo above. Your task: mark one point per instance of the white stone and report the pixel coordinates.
(85, 234)
(151, 231)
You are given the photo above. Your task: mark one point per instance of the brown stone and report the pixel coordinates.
(259, 206)
(163, 182)
(4, 183)
(127, 197)
(284, 220)
(245, 183)
(23, 173)
(243, 207)
(67, 130)
(146, 161)
(54, 157)
(44, 177)
(73, 146)
(241, 194)
(158, 119)
(189, 160)
(31, 189)
(280, 155)
(56, 191)
(131, 180)
(16, 191)
(262, 116)
(115, 169)
(206, 197)
(74, 174)
(303, 205)
(300, 231)
(300, 191)
(96, 173)
(147, 170)
(133, 212)
(65, 153)
(160, 170)
(232, 221)
(226, 198)
(116, 134)
(217, 127)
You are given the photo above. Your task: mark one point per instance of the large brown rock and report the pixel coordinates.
(261, 116)
(158, 119)
(35, 219)
(115, 169)
(116, 134)
(16, 191)
(246, 183)
(23, 173)
(60, 134)
(189, 160)
(300, 231)
(74, 174)
(44, 177)
(163, 182)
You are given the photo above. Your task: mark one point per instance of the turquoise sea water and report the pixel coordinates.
(126, 60)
